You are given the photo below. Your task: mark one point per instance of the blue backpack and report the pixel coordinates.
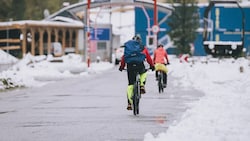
(133, 52)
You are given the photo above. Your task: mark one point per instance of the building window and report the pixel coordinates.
(101, 45)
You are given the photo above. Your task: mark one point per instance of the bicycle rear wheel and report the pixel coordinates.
(160, 83)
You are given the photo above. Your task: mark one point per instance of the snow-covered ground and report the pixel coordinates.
(222, 114)
(35, 71)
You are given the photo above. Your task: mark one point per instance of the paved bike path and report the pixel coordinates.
(90, 108)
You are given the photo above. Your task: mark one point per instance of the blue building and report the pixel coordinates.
(225, 25)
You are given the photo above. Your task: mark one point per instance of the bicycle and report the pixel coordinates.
(161, 69)
(136, 93)
(136, 96)
(160, 82)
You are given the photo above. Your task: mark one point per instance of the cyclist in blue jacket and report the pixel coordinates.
(133, 68)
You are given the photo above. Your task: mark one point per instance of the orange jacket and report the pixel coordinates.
(160, 56)
(148, 58)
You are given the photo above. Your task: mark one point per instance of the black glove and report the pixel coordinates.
(152, 68)
(120, 68)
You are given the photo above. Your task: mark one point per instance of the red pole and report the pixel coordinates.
(89, 3)
(155, 20)
(155, 13)
(88, 34)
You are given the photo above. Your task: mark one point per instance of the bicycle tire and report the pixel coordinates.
(136, 107)
(137, 110)
(136, 96)
(160, 83)
(135, 100)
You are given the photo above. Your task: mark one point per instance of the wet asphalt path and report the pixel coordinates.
(89, 108)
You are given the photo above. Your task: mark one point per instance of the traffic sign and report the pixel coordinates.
(100, 34)
(155, 28)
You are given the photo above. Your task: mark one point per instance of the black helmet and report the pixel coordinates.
(160, 45)
(137, 38)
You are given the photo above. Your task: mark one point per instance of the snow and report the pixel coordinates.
(221, 114)
(33, 71)
(43, 22)
(5, 58)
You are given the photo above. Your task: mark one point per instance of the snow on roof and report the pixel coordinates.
(42, 23)
(81, 6)
(242, 4)
(223, 42)
(65, 19)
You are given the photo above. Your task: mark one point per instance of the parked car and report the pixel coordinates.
(118, 54)
(56, 49)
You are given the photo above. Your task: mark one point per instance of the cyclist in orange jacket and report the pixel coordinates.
(161, 60)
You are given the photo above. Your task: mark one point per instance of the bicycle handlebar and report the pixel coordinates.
(145, 69)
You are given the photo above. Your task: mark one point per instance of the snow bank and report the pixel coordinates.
(33, 71)
(223, 113)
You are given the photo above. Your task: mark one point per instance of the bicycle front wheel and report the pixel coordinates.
(136, 98)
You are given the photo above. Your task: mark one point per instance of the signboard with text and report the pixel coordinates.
(100, 34)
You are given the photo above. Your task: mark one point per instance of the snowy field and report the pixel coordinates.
(222, 114)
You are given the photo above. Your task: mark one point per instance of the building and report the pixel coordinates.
(225, 27)
(36, 37)
(69, 27)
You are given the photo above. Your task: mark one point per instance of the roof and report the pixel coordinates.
(30, 23)
(82, 6)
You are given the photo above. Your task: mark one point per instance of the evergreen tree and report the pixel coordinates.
(17, 10)
(36, 8)
(183, 24)
(5, 9)
(29, 9)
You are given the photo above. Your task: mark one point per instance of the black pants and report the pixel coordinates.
(132, 69)
(164, 76)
